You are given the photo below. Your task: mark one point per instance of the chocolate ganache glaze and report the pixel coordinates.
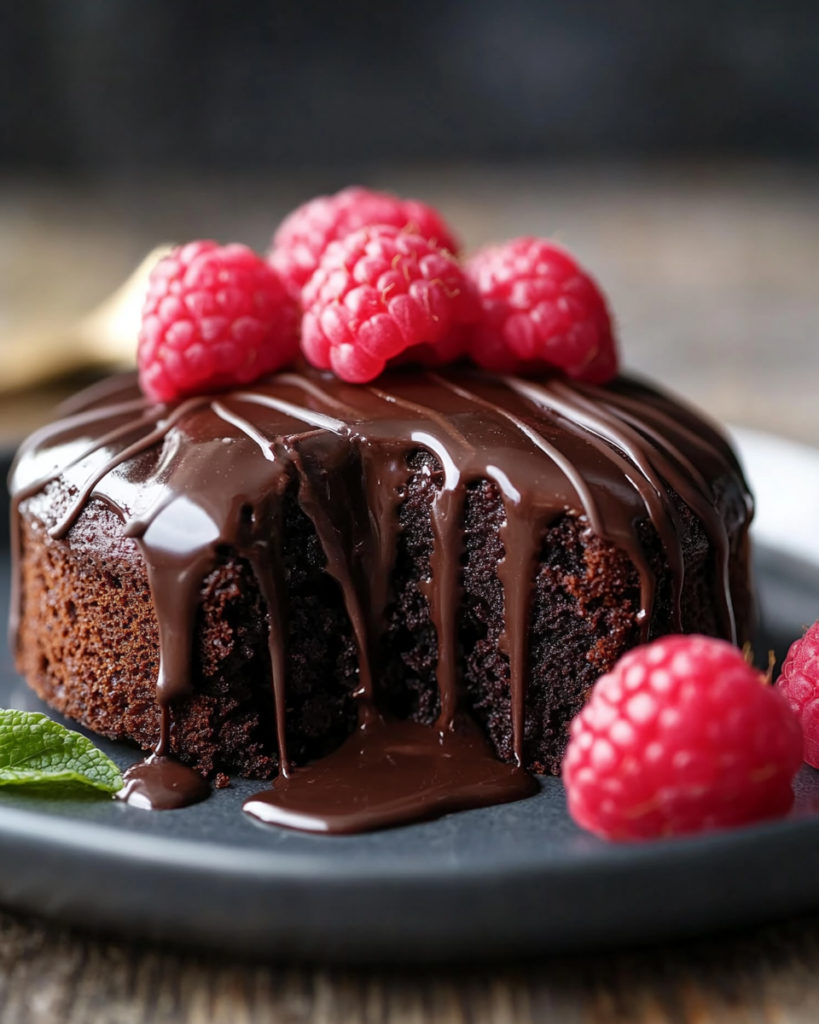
(210, 473)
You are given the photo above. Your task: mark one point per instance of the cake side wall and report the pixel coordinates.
(89, 642)
(584, 610)
(89, 646)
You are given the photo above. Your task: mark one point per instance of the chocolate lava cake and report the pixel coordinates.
(250, 566)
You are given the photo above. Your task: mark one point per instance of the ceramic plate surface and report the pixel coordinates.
(501, 881)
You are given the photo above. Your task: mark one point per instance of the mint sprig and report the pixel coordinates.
(36, 750)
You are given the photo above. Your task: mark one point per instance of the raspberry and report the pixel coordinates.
(451, 348)
(377, 293)
(682, 735)
(214, 317)
(540, 308)
(301, 239)
(799, 684)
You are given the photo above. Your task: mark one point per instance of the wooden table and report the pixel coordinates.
(764, 976)
(714, 275)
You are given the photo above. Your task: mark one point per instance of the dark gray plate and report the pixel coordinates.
(507, 880)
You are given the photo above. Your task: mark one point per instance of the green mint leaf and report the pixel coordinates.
(35, 750)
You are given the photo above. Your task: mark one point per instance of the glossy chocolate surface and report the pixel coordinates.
(161, 783)
(210, 472)
(389, 772)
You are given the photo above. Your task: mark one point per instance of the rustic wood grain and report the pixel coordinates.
(766, 975)
(713, 275)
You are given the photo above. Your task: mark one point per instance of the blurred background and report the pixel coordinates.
(673, 146)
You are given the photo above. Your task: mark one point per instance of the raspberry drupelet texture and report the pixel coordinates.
(378, 293)
(540, 308)
(799, 684)
(682, 735)
(300, 241)
(215, 316)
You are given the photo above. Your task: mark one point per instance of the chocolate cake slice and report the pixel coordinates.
(241, 578)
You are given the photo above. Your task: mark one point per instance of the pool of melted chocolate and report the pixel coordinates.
(161, 783)
(388, 773)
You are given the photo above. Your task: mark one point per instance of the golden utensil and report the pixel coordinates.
(105, 338)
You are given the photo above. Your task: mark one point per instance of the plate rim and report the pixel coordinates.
(115, 850)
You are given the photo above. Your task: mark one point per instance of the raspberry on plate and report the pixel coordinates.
(681, 736)
(799, 684)
(302, 237)
(540, 308)
(215, 316)
(377, 293)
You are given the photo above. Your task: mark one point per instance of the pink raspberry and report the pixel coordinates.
(214, 317)
(453, 347)
(682, 735)
(377, 293)
(799, 684)
(302, 237)
(540, 309)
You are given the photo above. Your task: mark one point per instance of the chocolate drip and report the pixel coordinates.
(30, 446)
(604, 434)
(161, 783)
(649, 459)
(210, 474)
(700, 495)
(266, 560)
(521, 536)
(160, 430)
(443, 589)
(342, 566)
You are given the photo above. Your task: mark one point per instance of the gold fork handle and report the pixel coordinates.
(103, 339)
(33, 358)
